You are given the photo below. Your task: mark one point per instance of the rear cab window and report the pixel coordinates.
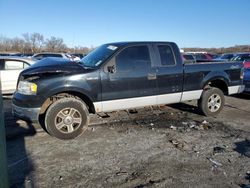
(166, 55)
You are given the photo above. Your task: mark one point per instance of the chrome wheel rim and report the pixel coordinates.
(214, 103)
(68, 120)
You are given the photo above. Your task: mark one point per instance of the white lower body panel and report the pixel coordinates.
(138, 102)
(191, 95)
(235, 89)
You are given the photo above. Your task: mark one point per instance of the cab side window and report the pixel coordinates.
(133, 58)
(166, 55)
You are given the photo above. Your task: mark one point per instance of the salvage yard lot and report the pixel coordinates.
(167, 146)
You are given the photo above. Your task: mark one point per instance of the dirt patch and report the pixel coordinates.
(152, 147)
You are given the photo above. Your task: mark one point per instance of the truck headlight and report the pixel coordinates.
(27, 88)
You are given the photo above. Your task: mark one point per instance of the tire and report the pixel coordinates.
(67, 118)
(211, 102)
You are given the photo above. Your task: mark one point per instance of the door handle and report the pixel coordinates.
(151, 76)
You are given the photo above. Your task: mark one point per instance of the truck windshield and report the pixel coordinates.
(99, 55)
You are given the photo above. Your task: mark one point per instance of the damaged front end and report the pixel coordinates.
(45, 69)
(38, 82)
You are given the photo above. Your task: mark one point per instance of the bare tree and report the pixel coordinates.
(5, 44)
(233, 49)
(55, 45)
(37, 41)
(80, 49)
(34, 42)
(18, 45)
(1, 43)
(27, 42)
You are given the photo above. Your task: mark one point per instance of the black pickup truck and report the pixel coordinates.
(119, 76)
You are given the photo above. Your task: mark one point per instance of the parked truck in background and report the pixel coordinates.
(119, 76)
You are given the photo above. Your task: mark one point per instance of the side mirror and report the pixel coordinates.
(111, 69)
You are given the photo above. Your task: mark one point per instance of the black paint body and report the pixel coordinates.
(54, 76)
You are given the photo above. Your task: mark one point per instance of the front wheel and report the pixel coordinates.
(67, 118)
(211, 102)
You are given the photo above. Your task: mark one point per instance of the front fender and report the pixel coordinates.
(68, 89)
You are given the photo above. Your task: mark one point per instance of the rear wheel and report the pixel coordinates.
(211, 102)
(67, 118)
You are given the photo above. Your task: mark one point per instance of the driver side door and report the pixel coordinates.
(128, 80)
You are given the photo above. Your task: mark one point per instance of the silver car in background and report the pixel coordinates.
(40, 56)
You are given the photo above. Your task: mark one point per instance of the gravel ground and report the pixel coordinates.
(167, 146)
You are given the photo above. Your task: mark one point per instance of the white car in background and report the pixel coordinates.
(40, 56)
(10, 68)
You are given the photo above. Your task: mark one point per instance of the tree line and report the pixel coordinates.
(233, 49)
(36, 42)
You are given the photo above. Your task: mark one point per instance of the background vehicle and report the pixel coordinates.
(119, 76)
(10, 68)
(214, 56)
(225, 57)
(27, 54)
(242, 57)
(246, 80)
(201, 56)
(75, 58)
(188, 58)
(78, 55)
(11, 54)
(40, 56)
(246, 64)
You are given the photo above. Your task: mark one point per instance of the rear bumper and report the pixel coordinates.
(30, 114)
(235, 89)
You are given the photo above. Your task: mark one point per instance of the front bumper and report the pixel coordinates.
(30, 114)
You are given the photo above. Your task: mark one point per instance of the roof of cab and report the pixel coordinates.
(119, 44)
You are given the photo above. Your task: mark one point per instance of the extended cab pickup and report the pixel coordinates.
(119, 76)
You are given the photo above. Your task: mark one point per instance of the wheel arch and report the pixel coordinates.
(56, 95)
(218, 83)
(219, 80)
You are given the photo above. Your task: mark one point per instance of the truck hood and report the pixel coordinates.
(55, 66)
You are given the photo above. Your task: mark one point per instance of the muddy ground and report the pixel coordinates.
(167, 146)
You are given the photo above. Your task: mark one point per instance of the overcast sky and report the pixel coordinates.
(189, 23)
